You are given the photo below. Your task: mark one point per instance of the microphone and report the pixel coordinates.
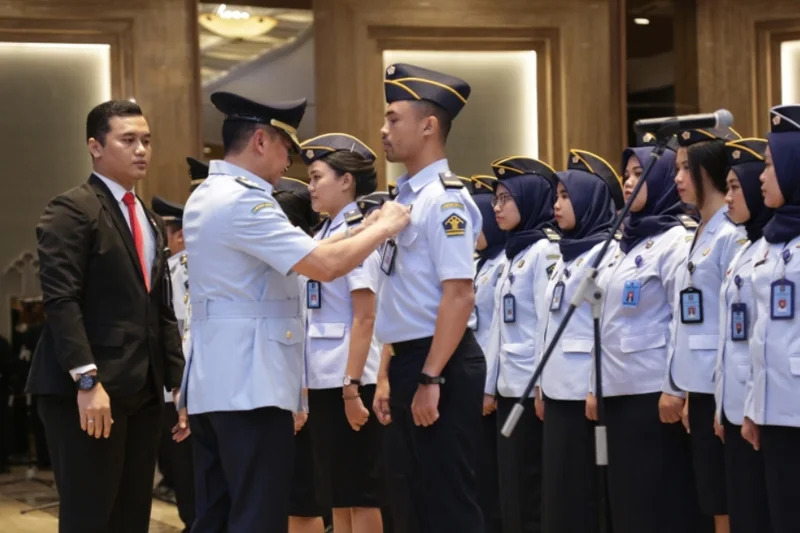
(721, 118)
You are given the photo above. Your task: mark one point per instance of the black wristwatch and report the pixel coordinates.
(87, 381)
(425, 379)
(350, 381)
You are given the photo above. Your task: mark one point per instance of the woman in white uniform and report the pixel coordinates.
(523, 206)
(744, 467)
(772, 406)
(489, 266)
(702, 169)
(589, 194)
(341, 353)
(650, 482)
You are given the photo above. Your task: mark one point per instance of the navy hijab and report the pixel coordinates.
(663, 205)
(785, 149)
(534, 196)
(594, 211)
(495, 237)
(749, 174)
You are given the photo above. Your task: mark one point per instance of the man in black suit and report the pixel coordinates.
(110, 338)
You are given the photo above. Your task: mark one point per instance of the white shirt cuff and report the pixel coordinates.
(75, 372)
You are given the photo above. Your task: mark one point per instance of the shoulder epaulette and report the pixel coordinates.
(247, 183)
(353, 217)
(618, 235)
(450, 180)
(552, 234)
(688, 222)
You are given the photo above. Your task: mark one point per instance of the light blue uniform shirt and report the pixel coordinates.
(327, 345)
(246, 328)
(437, 245)
(773, 391)
(486, 305)
(733, 357)
(516, 350)
(635, 337)
(691, 356)
(569, 372)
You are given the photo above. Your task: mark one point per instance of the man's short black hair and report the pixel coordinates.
(98, 121)
(426, 108)
(237, 133)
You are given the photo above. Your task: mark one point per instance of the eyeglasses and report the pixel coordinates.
(501, 199)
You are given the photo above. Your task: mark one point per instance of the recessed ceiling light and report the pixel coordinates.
(641, 21)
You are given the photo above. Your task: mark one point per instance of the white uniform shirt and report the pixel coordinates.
(733, 357)
(569, 371)
(773, 391)
(635, 337)
(691, 356)
(327, 343)
(486, 287)
(437, 245)
(179, 276)
(247, 330)
(515, 352)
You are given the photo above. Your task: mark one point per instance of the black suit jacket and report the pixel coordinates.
(96, 305)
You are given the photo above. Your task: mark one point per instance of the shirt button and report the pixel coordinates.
(288, 334)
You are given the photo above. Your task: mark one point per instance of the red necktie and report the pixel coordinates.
(136, 230)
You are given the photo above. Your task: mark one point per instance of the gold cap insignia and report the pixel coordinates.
(686, 135)
(736, 154)
(309, 153)
(501, 171)
(776, 119)
(648, 137)
(390, 70)
(575, 159)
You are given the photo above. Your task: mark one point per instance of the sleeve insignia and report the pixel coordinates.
(261, 206)
(454, 225)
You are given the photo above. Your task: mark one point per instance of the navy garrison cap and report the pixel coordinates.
(409, 82)
(690, 137)
(369, 202)
(507, 167)
(594, 164)
(292, 185)
(284, 116)
(483, 184)
(322, 145)
(785, 118)
(750, 150)
(167, 210)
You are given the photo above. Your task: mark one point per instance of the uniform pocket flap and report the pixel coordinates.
(794, 366)
(703, 342)
(285, 330)
(577, 346)
(743, 372)
(326, 330)
(640, 343)
(407, 236)
(518, 348)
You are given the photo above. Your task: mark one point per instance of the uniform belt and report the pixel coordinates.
(205, 309)
(416, 345)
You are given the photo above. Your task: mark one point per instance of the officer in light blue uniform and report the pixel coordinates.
(650, 481)
(772, 415)
(437, 372)
(489, 267)
(744, 467)
(243, 376)
(589, 194)
(702, 171)
(523, 206)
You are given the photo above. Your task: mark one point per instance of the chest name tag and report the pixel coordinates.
(313, 294)
(558, 297)
(387, 260)
(782, 300)
(630, 293)
(691, 306)
(509, 308)
(739, 321)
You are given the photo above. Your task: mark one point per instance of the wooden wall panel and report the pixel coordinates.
(586, 91)
(733, 57)
(155, 59)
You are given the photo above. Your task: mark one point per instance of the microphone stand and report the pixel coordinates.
(589, 291)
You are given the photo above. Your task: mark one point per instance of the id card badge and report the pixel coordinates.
(691, 306)
(477, 319)
(630, 293)
(387, 260)
(782, 300)
(509, 308)
(739, 322)
(313, 294)
(558, 297)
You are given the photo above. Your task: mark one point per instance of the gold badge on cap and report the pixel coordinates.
(309, 153)
(736, 154)
(390, 70)
(501, 171)
(776, 120)
(575, 159)
(686, 135)
(648, 137)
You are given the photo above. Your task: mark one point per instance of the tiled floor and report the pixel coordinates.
(18, 494)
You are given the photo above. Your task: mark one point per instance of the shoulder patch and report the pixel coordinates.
(688, 222)
(262, 205)
(247, 183)
(452, 205)
(454, 225)
(552, 234)
(353, 217)
(550, 270)
(450, 180)
(743, 240)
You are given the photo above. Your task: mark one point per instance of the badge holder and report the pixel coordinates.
(782, 299)
(313, 294)
(691, 306)
(739, 319)
(558, 297)
(588, 290)
(387, 260)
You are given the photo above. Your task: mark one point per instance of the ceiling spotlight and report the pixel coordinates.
(641, 21)
(236, 24)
